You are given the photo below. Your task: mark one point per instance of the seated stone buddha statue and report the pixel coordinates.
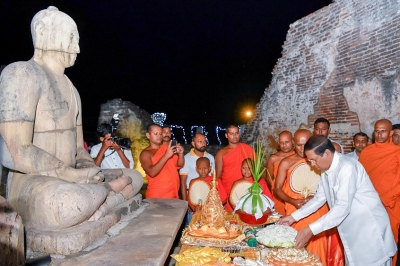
(53, 182)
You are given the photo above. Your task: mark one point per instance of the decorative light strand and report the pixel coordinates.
(203, 131)
(183, 130)
(159, 118)
(217, 129)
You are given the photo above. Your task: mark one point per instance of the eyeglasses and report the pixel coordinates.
(315, 160)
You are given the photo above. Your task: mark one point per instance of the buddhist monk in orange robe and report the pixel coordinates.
(286, 149)
(293, 200)
(381, 160)
(228, 161)
(161, 164)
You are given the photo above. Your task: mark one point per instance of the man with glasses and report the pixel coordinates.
(355, 207)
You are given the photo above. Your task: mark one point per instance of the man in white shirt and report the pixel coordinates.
(188, 171)
(355, 207)
(360, 141)
(108, 154)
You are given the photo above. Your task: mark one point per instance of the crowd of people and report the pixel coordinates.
(357, 200)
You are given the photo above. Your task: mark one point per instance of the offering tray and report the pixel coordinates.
(188, 237)
(289, 256)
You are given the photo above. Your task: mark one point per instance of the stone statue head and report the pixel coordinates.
(53, 30)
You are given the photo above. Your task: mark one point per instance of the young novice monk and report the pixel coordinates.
(203, 168)
(246, 173)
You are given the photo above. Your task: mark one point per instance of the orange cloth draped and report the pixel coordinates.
(317, 244)
(232, 169)
(263, 185)
(279, 205)
(166, 183)
(335, 255)
(221, 190)
(382, 163)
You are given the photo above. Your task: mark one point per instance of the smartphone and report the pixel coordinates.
(173, 142)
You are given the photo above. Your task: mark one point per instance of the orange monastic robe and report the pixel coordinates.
(279, 205)
(232, 169)
(382, 163)
(317, 244)
(166, 183)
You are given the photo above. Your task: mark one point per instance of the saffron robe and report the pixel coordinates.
(279, 204)
(318, 243)
(232, 169)
(382, 163)
(166, 183)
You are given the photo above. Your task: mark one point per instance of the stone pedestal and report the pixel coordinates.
(146, 240)
(77, 238)
(11, 236)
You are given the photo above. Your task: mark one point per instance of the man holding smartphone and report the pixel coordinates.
(161, 164)
(108, 154)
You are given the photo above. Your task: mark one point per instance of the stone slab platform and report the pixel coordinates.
(146, 240)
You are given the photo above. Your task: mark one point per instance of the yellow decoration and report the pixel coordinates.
(212, 212)
(200, 256)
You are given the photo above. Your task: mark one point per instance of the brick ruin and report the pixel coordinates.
(341, 63)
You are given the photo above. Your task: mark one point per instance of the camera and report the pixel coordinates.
(123, 142)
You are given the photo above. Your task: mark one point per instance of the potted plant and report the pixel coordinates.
(254, 207)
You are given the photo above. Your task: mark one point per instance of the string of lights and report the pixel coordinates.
(183, 131)
(159, 118)
(217, 130)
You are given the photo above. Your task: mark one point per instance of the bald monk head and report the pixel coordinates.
(285, 141)
(301, 137)
(154, 134)
(383, 131)
(232, 134)
(396, 134)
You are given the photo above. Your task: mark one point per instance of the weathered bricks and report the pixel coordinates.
(340, 62)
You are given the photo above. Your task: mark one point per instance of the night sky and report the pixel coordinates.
(201, 62)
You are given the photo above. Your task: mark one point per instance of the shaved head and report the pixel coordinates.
(301, 137)
(285, 141)
(383, 131)
(302, 133)
(284, 134)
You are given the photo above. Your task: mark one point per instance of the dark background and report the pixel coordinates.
(201, 62)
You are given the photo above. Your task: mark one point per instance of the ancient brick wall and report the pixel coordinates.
(341, 63)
